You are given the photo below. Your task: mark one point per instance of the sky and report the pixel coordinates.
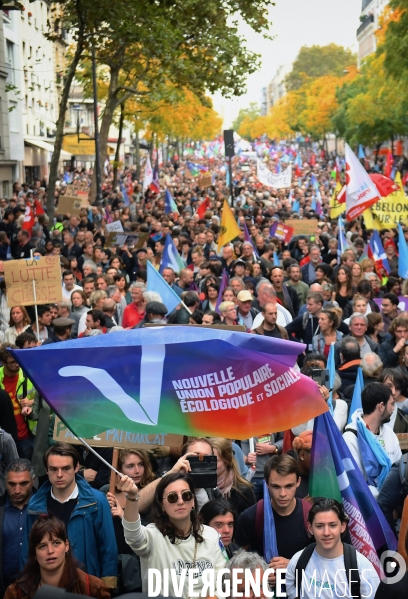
(295, 23)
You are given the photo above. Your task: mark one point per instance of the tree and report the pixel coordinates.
(252, 112)
(373, 107)
(393, 37)
(318, 61)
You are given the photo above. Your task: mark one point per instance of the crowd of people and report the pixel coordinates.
(61, 520)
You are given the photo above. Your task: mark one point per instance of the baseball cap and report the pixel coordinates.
(244, 296)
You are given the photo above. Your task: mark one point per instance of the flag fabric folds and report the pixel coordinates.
(335, 474)
(336, 207)
(224, 284)
(203, 207)
(124, 194)
(270, 542)
(170, 257)
(155, 282)
(342, 239)
(29, 221)
(356, 399)
(361, 191)
(248, 239)
(148, 175)
(169, 204)
(403, 254)
(228, 228)
(193, 381)
(376, 252)
(384, 185)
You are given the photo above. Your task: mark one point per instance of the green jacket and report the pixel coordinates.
(25, 388)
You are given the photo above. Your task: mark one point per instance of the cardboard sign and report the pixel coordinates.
(118, 438)
(79, 189)
(305, 226)
(20, 274)
(69, 205)
(205, 181)
(115, 227)
(131, 239)
(403, 440)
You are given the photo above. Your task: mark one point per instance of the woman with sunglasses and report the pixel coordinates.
(176, 539)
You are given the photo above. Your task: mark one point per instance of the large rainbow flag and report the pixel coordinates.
(182, 380)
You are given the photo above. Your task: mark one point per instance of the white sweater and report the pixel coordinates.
(156, 551)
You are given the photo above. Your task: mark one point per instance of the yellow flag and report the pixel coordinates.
(389, 211)
(228, 228)
(335, 208)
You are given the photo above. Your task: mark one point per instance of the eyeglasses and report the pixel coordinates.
(173, 496)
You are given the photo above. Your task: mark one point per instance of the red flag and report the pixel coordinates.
(384, 185)
(312, 160)
(405, 178)
(28, 222)
(341, 196)
(388, 164)
(203, 207)
(38, 208)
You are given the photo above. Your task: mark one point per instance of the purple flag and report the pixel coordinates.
(224, 284)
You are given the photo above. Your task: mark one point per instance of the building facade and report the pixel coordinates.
(371, 11)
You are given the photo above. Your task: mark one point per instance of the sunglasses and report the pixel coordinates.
(185, 496)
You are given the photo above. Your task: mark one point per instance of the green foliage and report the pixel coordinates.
(317, 61)
(395, 43)
(252, 112)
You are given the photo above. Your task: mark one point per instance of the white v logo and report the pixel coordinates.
(151, 375)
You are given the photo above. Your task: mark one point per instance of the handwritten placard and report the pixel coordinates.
(70, 205)
(118, 438)
(20, 274)
(306, 226)
(205, 181)
(115, 227)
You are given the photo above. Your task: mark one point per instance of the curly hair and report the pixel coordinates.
(161, 519)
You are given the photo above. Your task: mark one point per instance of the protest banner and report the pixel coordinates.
(276, 180)
(403, 302)
(115, 227)
(117, 438)
(305, 226)
(20, 274)
(69, 205)
(205, 181)
(206, 382)
(390, 211)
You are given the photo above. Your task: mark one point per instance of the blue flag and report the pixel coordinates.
(356, 399)
(332, 372)
(368, 527)
(403, 254)
(124, 194)
(170, 257)
(270, 543)
(296, 206)
(361, 153)
(342, 239)
(313, 204)
(169, 203)
(376, 462)
(276, 259)
(376, 252)
(314, 181)
(155, 282)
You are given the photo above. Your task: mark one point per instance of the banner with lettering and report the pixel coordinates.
(276, 180)
(181, 380)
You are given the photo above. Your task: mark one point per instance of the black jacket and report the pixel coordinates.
(388, 356)
(373, 345)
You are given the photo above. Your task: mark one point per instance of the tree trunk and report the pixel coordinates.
(59, 133)
(108, 112)
(117, 153)
(137, 148)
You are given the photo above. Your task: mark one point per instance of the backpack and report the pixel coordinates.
(350, 565)
(259, 518)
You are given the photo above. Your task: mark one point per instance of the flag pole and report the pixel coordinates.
(96, 454)
(35, 301)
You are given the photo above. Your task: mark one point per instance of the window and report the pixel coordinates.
(13, 120)
(10, 60)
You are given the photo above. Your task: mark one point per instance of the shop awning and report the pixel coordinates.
(44, 145)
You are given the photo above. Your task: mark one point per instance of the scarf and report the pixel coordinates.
(376, 462)
(224, 484)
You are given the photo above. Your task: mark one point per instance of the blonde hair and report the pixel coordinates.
(226, 454)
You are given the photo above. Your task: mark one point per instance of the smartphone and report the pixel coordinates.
(321, 377)
(203, 471)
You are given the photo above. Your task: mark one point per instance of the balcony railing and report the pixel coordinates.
(367, 21)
